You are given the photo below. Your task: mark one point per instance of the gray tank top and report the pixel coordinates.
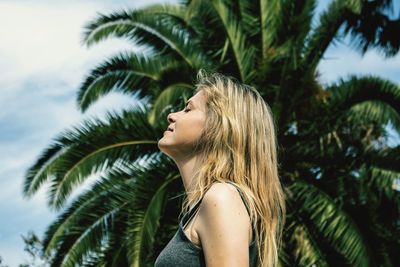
(181, 251)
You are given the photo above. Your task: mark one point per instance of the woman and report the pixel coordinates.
(224, 145)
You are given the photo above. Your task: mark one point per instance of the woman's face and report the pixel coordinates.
(185, 128)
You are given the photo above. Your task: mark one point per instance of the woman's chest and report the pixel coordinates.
(191, 232)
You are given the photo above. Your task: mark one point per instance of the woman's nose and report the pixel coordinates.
(170, 118)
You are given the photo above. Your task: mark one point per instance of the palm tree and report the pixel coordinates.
(335, 165)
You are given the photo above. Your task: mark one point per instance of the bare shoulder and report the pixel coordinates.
(220, 191)
(224, 226)
(223, 199)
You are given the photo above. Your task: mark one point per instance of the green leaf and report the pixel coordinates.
(127, 73)
(244, 52)
(319, 212)
(148, 29)
(142, 226)
(90, 148)
(366, 97)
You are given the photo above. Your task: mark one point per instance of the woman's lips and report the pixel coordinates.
(169, 129)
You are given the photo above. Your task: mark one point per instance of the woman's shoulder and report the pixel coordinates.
(221, 189)
(224, 223)
(225, 194)
(223, 204)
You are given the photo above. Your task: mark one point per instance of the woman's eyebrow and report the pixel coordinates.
(189, 102)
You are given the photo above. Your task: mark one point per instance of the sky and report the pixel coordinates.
(42, 65)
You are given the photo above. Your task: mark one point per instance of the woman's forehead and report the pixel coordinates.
(198, 99)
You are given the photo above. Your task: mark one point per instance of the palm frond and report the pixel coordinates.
(383, 181)
(374, 111)
(85, 227)
(142, 226)
(373, 28)
(248, 13)
(90, 240)
(324, 219)
(178, 12)
(270, 22)
(148, 29)
(386, 159)
(365, 97)
(307, 251)
(85, 205)
(90, 148)
(118, 24)
(325, 33)
(131, 73)
(244, 52)
(292, 27)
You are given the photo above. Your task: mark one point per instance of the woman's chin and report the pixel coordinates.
(163, 145)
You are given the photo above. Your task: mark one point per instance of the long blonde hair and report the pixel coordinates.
(238, 144)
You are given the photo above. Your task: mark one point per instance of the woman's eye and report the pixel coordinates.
(186, 109)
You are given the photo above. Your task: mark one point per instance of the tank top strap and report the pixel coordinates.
(246, 205)
(191, 213)
(242, 196)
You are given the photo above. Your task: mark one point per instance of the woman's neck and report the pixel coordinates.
(188, 167)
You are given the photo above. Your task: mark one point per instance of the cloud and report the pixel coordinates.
(340, 61)
(31, 45)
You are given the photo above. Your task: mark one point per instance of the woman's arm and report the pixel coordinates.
(224, 227)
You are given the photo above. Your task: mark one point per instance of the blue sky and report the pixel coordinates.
(42, 65)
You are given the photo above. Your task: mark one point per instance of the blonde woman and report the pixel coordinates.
(223, 143)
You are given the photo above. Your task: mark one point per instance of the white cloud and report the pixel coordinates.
(38, 36)
(340, 61)
(33, 44)
(11, 254)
